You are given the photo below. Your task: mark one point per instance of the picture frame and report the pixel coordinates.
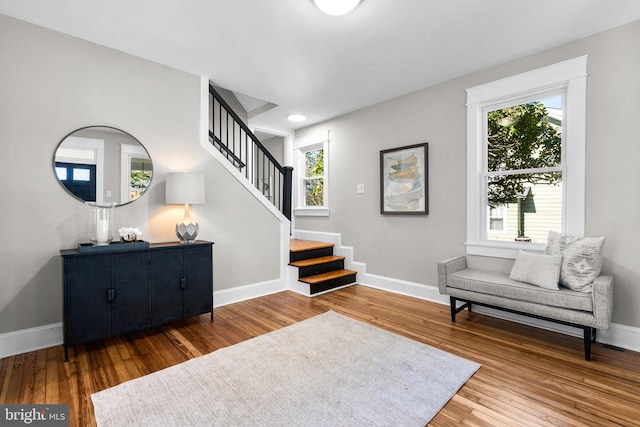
(404, 180)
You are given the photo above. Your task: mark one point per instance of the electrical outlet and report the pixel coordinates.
(360, 188)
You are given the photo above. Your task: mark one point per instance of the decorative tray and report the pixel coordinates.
(113, 246)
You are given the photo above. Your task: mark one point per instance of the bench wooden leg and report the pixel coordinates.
(453, 301)
(589, 337)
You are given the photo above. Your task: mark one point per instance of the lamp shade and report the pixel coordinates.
(184, 188)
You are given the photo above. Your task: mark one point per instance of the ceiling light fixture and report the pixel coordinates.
(336, 7)
(296, 117)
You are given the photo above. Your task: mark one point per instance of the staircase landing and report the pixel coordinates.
(318, 266)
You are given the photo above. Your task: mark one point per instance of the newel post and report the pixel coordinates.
(287, 191)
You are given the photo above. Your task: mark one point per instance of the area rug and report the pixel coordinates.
(329, 370)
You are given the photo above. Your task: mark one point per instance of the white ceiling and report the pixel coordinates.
(288, 53)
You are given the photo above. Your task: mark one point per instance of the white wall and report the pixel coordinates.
(408, 247)
(51, 84)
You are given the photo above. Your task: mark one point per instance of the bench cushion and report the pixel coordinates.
(499, 284)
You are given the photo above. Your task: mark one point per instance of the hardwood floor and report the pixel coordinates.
(528, 377)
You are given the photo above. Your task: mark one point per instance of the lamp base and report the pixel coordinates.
(187, 231)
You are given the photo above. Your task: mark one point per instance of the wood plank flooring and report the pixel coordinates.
(529, 377)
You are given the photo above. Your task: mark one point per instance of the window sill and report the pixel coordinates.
(311, 211)
(507, 250)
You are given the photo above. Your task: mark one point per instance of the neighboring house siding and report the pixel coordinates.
(547, 200)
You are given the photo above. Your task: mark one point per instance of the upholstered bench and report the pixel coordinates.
(588, 308)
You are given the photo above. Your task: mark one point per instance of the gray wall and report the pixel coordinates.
(275, 145)
(409, 247)
(51, 84)
(233, 102)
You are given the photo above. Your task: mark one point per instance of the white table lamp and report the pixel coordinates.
(186, 189)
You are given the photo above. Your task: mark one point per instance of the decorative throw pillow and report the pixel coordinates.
(581, 259)
(539, 270)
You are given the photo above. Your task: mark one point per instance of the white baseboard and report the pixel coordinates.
(243, 293)
(403, 287)
(25, 340)
(621, 336)
(318, 236)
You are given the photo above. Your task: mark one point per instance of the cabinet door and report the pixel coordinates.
(86, 310)
(130, 305)
(198, 273)
(166, 291)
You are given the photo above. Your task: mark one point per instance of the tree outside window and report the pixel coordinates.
(141, 174)
(314, 178)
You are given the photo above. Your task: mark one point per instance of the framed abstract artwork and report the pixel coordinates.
(404, 180)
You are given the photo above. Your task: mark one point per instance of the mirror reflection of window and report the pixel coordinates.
(136, 171)
(141, 173)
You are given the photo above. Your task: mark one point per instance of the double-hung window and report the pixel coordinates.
(525, 159)
(312, 167)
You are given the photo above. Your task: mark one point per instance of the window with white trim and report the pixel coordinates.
(312, 177)
(525, 158)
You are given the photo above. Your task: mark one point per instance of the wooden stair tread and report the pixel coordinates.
(296, 245)
(318, 278)
(316, 261)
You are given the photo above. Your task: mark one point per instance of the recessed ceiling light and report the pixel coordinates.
(336, 7)
(296, 117)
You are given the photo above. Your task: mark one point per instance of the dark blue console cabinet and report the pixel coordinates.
(110, 293)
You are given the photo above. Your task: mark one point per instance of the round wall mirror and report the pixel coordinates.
(103, 164)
